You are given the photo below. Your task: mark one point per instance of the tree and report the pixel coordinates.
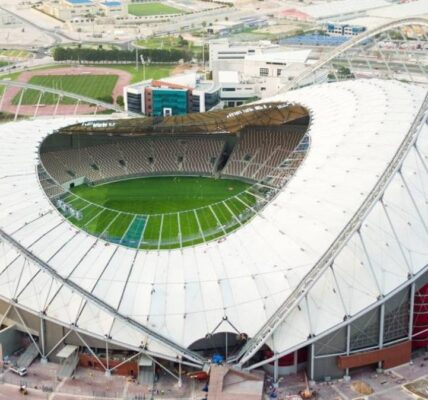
(120, 101)
(116, 55)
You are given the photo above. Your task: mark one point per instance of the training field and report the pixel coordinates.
(94, 86)
(143, 10)
(10, 53)
(161, 212)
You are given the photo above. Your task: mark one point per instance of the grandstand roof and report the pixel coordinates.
(181, 295)
(229, 121)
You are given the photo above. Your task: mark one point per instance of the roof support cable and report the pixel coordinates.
(403, 254)
(26, 253)
(353, 226)
(413, 201)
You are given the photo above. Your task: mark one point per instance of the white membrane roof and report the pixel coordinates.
(342, 7)
(356, 128)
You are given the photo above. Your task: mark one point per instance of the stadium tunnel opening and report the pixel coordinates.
(251, 152)
(224, 343)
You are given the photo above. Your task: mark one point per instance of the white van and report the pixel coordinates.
(19, 371)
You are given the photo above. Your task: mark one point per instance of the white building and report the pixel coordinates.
(256, 70)
(67, 10)
(233, 92)
(341, 10)
(226, 56)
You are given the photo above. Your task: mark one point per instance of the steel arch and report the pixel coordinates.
(349, 45)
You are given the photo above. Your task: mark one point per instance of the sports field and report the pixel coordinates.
(14, 53)
(94, 86)
(143, 10)
(160, 212)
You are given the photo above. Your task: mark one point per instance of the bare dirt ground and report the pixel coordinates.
(388, 385)
(183, 68)
(124, 78)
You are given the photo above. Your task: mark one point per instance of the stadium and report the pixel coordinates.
(288, 234)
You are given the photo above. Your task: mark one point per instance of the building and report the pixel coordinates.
(75, 10)
(112, 8)
(330, 274)
(416, 8)
(178, 95)
(227, 27)
(228, 56)
(235, 93)
(256, 70)
(333, 29)
(278, 64)
(338, 10)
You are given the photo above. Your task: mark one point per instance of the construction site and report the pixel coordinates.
(49, 381)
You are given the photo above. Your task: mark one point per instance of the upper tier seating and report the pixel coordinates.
(139, 156)
(269, 154)
(262, 152)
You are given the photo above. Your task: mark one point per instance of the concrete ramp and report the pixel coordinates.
(70, 358)
(10, 341)
(146, 371)
(68, 367)
(28, 356)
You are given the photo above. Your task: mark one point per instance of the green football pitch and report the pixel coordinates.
(161, 212)
(142, 10)
(93, 86)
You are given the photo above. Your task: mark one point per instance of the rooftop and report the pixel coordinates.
(299, 56)
(174, 297)
(75, 2)
(341, 8)
(192, 80)
(406, 10)
(112, 3)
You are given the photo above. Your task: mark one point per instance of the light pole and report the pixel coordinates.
(136, 58)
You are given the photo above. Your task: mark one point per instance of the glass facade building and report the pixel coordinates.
(177, 101)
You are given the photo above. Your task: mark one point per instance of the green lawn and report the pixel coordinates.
(146, 9)
(94, 86)
(167, 43)
(88, 85)
(162, 212)
(14, 53)
(153, 71)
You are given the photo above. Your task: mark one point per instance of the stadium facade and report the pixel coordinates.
(328, 273)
